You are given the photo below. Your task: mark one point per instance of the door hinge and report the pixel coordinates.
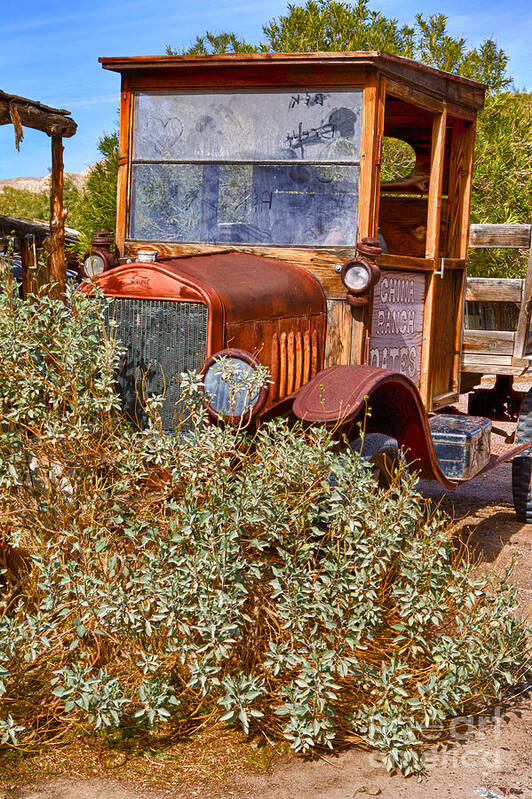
(379, 150)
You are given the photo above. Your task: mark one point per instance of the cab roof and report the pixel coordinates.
(443, 85)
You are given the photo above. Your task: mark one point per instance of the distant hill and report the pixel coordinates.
(37, 185)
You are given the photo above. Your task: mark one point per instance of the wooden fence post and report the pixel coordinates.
(28, 257)
(57, 267)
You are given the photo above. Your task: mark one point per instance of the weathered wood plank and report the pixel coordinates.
(366, 186)
(523, 323)
(496, 342)
(359, 333)
(486, 358)
(338, 342)
(511, 236)
(435, 186)
(57, 263)
(403, 222)
(414, 96)
(258, 75)
(459, 326)
(496, 365)
(469, 157)
(322, 263)
(28, 257)
(377, 156)
(430, 103)
(491, 289)
(460, 176)
(124, 137)
(41, 230)
(432, 242)
(440, 400)
(453, 88)
(405, 262)
(447, 333)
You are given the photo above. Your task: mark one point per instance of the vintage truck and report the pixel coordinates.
(253, 223)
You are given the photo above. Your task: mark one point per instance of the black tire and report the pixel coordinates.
(382, 452)
(521, 465)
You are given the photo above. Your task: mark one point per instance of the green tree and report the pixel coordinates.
(502, 183)
(97, 206)
(25, 204)
(322, 25)
(502, 187)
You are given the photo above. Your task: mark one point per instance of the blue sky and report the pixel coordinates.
(50, 53)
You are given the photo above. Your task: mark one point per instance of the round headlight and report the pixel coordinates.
(233, 387)
(93, 265)
(356, 278)
(358, 275)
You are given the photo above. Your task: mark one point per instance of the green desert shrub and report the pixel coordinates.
(27, 204)
(24, 203)
(155, 583)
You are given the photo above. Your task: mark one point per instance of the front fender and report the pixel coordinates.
(341, 395)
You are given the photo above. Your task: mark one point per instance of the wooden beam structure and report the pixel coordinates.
(41, 230)
(17, 111)
(432, 241)
(56, 123)
(499, 351)
(57, 266)
(507, 236)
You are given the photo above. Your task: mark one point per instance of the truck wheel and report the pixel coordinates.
(382, 452)
(521, 465)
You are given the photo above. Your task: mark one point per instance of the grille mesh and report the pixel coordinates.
(163, 338)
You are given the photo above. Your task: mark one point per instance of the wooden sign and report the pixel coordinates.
(397, 325)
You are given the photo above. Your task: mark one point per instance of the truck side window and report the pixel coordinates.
(405, 170)
(246, 167)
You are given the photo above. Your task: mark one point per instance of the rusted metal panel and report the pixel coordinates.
(157, 282)
(252, 287)
(293, 355)
(278, 344)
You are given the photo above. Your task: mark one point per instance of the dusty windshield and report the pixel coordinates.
(277, 168)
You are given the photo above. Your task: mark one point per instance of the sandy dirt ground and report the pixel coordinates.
(490, 758)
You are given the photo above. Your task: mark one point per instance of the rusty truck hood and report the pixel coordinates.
(246, 287)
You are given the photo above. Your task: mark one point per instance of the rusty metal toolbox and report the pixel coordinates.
(461, 444)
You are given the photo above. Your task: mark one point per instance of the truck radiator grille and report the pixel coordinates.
(163, 338)
(295, 359)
